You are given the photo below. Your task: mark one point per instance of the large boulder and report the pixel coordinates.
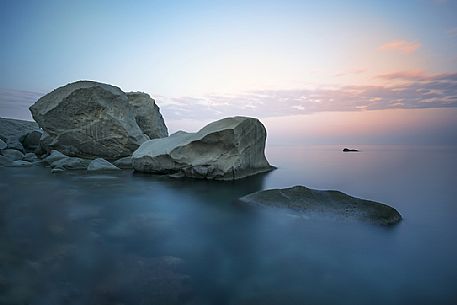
(91, 119)
(227, 149)
(13, 131)
(332, 205)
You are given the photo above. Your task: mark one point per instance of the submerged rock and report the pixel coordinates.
(87, 119)
(350, 150)
(326, 204)
(20, 163)
(227, 149)
(100, 164)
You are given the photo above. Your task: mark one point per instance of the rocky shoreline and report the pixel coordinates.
(97, 127)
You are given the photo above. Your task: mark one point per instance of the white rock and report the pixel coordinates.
(227, 149)
(12, 131)
(100, 164)
(87, 119)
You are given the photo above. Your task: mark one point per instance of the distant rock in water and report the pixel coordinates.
(91, 119)
(350, 150)
(227, 149)
(325, 204)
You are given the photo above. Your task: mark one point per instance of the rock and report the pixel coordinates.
(4, 161)
(54, 156)
(30, 157)
(57, 170)
(325, 204)
(12, 154)
(43, 147)
(100, 164)
(227, 149)
(72, 163)
(3, 145)
(31, 140)
(124, 163)
(20, 163)
(87, 119)
(147, 115)
(12, 130)
(350, 150)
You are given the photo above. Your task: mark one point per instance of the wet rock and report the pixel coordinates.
(100, 164)
(71, 163)
(124, 163)
(3, 144)
(12, 154)
(20, 163)
(31, 141)
(91, 119)
(55, 155)
(4, 161)
(325, 204)
(228, 149)
(30, 157)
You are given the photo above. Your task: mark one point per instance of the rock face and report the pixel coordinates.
(227, 149)
(124, 163)
(88, 119)
(325, 204)
(13, 132)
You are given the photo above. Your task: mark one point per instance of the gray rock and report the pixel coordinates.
(124, 163)
(100, 164)
(227, 149)
(57, 170)
(20, 163)
(12, 154)
(325, 204)
(54, 156)
(30, 157)
(43, 147)
(87, 119)
(70, 163)
(31, 140)
(12, 130)
(147, 115)
(4, 161)
(3, 144)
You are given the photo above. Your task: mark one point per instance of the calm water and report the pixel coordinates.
(102, 239)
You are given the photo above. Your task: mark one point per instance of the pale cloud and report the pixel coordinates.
(417, 90)
(401, 46)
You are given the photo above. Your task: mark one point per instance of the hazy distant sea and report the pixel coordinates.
(63, 237)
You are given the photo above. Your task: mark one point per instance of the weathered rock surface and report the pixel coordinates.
(88, 119)
(124, 163)
(12, 131)
(325, 204)
(100, 164)
(12, 154)
(227, 149)
(147, 115)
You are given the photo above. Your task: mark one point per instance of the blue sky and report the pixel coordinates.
(206, 59)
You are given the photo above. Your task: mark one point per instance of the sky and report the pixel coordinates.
(350, 63)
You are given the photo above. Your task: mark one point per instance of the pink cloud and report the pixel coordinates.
(401, 46)
(417, 75)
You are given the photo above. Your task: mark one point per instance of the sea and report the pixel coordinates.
(129, 238)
